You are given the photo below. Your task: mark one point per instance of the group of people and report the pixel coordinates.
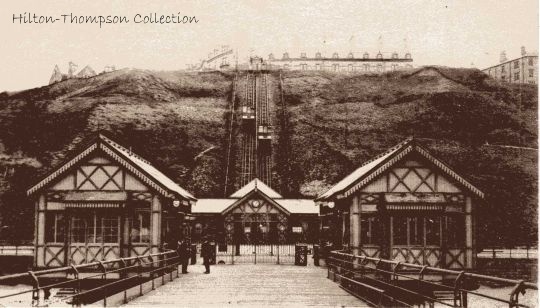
(184, 252)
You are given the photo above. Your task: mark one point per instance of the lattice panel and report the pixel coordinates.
(411, 180)
(420, 256)
(455, 258)
(371, 252)
(139, 251)
(77, 254)
(54, 256)
(99, 178)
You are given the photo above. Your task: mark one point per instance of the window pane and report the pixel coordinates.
(50, 219)
(110, 227)
(433, 231)
(416, 231)
(90, 229)
(455, 231)
(368, 230)
(400, 230)
(78, 229)
(140, 228)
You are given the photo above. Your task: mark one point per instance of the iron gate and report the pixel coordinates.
(256, 254)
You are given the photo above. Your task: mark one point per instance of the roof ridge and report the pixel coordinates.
(117, 145)
(391, 149)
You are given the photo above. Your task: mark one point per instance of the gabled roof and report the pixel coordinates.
(299, 206)
(373, 168)
(217, 206)
(256, 184)
(134, 163)
(252, 193)
(211, 206)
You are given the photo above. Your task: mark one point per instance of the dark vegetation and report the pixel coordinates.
(326, 126)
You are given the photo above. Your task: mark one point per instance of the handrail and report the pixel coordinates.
(340, 263)
(167, 262)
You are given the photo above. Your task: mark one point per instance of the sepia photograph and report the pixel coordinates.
(258, 153)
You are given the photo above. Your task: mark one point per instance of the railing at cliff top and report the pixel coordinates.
(375, 281)
(132, 272)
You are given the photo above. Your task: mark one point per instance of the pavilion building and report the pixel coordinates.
(256, 214)
(406, 205)
(105, 203)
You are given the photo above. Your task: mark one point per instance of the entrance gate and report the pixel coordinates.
(256, 254)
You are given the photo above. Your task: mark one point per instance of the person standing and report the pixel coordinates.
(183, 253)
(206, 254)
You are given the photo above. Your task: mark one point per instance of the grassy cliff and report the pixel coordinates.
(326, 126)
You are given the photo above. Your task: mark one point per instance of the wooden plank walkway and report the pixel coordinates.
(250, 285)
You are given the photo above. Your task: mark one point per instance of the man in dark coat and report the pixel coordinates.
(183, 252)
(206, 254)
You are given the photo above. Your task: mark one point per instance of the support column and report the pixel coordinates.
(355, 225)
(468, 233)
(155, 239)
(40, 232)
(344, 244)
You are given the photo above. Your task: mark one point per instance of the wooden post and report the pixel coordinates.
(155, 237)
(40, 240)
(468, 233)
(355, 225)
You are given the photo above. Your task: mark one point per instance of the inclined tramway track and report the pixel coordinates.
(256, 150)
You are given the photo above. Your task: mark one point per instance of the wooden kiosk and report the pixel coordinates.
(406, 205)
(105, 203)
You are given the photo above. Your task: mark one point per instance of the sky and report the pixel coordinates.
(450, 33)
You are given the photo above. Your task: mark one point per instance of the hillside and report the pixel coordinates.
(328, 124)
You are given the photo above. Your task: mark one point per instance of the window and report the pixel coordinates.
(297, 229)
(303, 66)
(318, 55)
(318, 67)
(140, 227)
(286, 55)
(417, 230)
(350, 67)
(531, 61)
(407, 56)
(350, 55)
(516, 76)
(54, 227)
(455, 229)
(95, 228)
(368, 230)
(335, 55)
(78, 230)
(394, 67)
(366, 67)
(433, 231)
(516, 64)
(379, 55)
(502, 69)
(531, 72)
(303, 55)
(366, 55)
(379, 68)
(394, 55)
(400, 230)
(336, 67)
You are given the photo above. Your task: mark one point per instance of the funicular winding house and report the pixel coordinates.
(406, 205)
(105, 203)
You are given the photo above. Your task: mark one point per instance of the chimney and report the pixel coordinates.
(503, 57)
(523, 51)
